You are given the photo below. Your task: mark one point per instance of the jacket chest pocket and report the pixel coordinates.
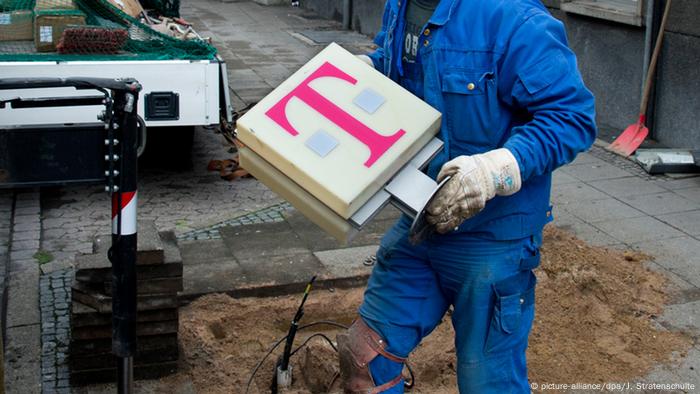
(472, 109)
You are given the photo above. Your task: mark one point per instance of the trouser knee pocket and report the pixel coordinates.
(513, 311)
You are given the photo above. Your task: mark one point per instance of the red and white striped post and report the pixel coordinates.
(122, 254)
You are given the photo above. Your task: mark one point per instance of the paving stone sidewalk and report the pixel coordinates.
(265, 257)
(609, 201)
(22, 319)
(224, 228)
(263, 45)
(6, 205)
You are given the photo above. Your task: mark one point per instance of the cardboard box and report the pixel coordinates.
(54, 5)
(16, 25)
(49, 25)
(130, 7)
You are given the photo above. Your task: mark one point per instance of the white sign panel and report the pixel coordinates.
(339, 129)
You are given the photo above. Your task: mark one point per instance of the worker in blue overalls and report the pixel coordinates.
(514, 108)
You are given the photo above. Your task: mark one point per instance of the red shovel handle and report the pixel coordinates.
(654, 60)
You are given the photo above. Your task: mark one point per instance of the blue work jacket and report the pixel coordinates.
(502, 75)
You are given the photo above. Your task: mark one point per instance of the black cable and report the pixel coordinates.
(318, 334)
(228, 129)
(326, 322)
(406, 384)
(284, 362)
(260, 363)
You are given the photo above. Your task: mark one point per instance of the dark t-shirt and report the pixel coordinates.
(418, 12)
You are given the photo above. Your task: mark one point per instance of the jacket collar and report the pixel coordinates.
(440, 16)
(442, 12)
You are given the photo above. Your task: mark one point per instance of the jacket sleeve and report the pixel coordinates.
(539, 77)
(378, 55)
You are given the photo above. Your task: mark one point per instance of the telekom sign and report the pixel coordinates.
(377, 143)
(338, 129)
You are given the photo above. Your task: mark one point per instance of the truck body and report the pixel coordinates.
(184, 83)
(175, 92)
(46, 146)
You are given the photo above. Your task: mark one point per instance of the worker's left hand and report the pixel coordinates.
(475, 180)
(366, 59)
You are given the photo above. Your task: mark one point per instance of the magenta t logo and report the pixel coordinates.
(377, 143)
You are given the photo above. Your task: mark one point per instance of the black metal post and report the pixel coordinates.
(124, 236)
(121, 120)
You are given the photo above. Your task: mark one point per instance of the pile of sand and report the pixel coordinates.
(594, 323)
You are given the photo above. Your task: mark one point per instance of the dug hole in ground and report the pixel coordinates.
(594, 323)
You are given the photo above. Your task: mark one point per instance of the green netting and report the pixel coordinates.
(63, 30)
(165, 7)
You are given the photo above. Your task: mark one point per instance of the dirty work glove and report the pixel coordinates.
(475, 180)
(366, 59)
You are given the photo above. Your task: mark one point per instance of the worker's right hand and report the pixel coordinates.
(366, 59)
(474, 180)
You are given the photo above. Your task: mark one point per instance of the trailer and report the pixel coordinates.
(176, 93)
(184, 85)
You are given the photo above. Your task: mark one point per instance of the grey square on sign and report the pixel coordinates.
(369, 100)
(321, 143)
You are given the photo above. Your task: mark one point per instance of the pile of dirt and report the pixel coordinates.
(595, 314)
(594, 323)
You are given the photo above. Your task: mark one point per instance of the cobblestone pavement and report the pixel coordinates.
(6, 202)
(22, 325)
(598, 151)
(54, 299)
(267, 215)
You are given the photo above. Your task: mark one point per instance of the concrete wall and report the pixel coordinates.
(330, 9)
(610, 57)
(366, 14)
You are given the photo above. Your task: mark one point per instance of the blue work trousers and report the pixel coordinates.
(488, 282)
